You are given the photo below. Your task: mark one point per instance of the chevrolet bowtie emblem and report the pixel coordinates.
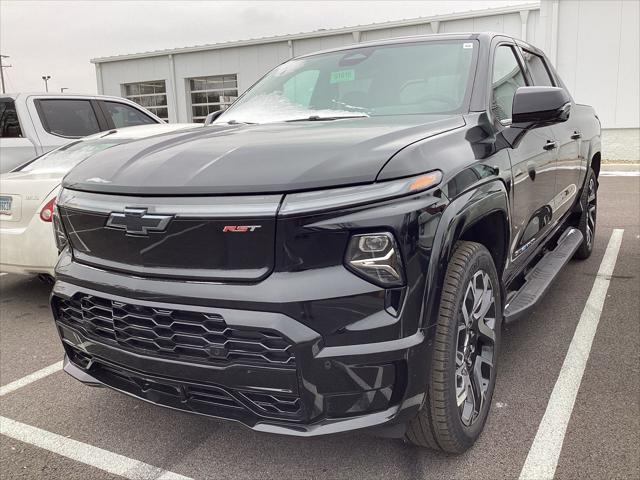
(136, 221)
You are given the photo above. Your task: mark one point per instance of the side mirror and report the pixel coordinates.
(212, 117)
(539, 106)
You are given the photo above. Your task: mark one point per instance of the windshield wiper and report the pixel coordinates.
(318, 118)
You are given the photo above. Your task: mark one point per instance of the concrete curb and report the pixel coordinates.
(621, 166)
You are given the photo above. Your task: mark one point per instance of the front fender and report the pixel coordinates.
(460, 214)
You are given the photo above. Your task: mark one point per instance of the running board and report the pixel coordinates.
(540, 278)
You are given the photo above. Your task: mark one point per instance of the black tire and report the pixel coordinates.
(587, 222)
(440, 423)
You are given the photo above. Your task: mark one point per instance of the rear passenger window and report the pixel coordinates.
(68, 117)
(9, 124)
(537, 69)
(507, 78)
(124, 115)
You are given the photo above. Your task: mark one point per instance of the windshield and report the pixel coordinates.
(65, 158)
(416, 78)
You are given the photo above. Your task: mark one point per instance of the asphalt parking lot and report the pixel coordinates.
(114, 433)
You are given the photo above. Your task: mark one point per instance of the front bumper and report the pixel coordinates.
(325, 387)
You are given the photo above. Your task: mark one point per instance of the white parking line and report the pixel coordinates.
(21, 382)
(616, 173)
(542, 459)
(87, 454)
(2, 273)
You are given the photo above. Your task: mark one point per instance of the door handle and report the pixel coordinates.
(550, 145)
(576, 136)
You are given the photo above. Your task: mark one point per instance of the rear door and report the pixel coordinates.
(533, 162)
(567, 135)
(58, 119)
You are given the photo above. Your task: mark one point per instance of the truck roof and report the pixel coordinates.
(483, 37)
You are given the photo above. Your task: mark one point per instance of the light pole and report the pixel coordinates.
(46, 79)
(2, 71)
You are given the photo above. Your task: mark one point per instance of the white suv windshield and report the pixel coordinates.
(410, 78)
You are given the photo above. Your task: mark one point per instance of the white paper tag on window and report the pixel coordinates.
(467, 45)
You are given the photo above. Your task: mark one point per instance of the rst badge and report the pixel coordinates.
(240, 228)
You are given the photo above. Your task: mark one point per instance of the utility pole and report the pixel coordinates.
(46, 79)
(2, 71)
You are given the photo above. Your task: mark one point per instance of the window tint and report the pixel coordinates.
(69, 118)
(9, 125)
(507, 78)
(537, 69)
(125, 115)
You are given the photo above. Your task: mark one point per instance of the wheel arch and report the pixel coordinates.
(596, 162)
(480, 214)
(594, 155)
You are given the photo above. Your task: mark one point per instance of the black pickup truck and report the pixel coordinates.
(340, 248)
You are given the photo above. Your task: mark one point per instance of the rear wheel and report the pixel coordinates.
(463, 367)
(587, 223)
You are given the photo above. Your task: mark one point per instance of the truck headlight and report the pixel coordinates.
(376, 258)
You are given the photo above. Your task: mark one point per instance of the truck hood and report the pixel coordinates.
(266, 158)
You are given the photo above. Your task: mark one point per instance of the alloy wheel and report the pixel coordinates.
(591, 211)
(475, 347)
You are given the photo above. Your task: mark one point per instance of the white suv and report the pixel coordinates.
(34, 123)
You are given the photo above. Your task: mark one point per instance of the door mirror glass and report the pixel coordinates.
(540, 106)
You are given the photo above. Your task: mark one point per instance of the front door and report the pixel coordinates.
(533, 161)
(567, 135)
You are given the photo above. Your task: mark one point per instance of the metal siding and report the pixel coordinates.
(309, 45)
(532, 28)
(249, 63)
(599, 58)
(628, 94)
(252, 61)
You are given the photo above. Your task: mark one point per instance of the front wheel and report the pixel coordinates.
(463, 366)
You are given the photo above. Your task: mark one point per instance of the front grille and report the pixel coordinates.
(207, 399)
(170, 333)
(274, 403)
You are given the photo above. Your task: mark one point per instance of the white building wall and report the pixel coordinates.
(250, 62)
(596, 47)
(594, 44)
(114, 75)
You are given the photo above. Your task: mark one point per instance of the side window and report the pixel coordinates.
(507, 78)
(9, 124)
(124, 115)
(68, 117)
(537, 69)
(299, 88)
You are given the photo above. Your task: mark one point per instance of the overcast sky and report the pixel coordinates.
(58, 38)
